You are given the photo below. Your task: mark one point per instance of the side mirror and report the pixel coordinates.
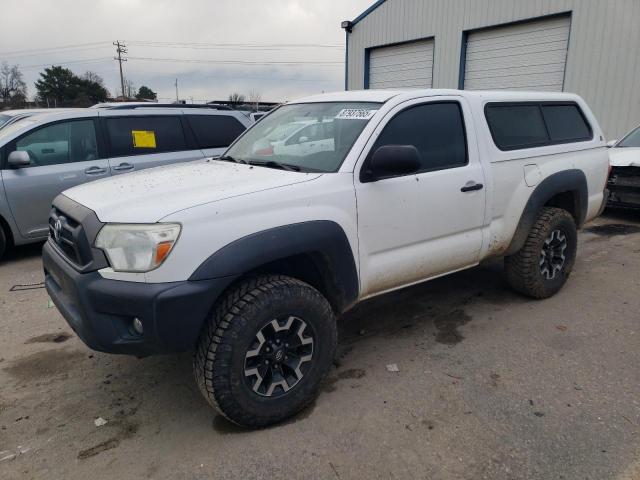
(393, 160)
(303, 139)
(611, 143)
(18, 159)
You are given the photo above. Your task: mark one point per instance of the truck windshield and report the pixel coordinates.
(308, 137)
(631, 140)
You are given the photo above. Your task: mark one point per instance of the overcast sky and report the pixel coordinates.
(78, 34)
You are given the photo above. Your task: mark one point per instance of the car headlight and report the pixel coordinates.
(137, 248)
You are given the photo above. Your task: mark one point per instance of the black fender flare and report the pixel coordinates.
(323, 238)
(573, 181)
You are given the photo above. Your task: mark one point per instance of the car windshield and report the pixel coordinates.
(4, 119)
(631, 140)
(308, 137)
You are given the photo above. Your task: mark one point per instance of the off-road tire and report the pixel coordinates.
(219, 361)
(523, 269)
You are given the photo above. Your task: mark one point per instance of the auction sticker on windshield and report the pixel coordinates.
(144, 138)
(355, 114)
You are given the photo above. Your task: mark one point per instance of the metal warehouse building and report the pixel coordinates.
(589, 47)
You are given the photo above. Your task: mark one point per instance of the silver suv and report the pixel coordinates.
(44, 154)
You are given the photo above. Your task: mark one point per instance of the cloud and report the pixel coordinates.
(37, 25)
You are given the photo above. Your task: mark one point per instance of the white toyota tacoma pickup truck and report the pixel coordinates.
(248, 259)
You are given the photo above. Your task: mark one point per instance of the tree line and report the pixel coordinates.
(60, 87)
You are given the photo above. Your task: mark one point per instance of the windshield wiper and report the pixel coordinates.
(274, 164)
(229, 158)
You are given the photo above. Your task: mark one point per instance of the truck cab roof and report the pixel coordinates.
(382, 96)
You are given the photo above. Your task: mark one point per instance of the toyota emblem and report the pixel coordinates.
(57, 228)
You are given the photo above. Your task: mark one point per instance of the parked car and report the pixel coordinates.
(255, 116)
(249, 259)
(129, 105)
(7, 117)
(624, 179)
(46, 153)
(298, 139)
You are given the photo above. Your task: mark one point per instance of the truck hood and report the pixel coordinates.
(624, 157)
(149, 195)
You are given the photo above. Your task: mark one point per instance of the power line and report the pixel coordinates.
(58, 50)
(165, 60)
(161, 44)
(224, 47)
(237, 62)
(49, 49)
(149, 43)
(70, 62)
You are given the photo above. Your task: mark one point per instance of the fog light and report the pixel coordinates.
(137, 326)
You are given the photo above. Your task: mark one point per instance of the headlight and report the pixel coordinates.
(137, 248)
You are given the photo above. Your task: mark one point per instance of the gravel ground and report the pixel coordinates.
(490, 385)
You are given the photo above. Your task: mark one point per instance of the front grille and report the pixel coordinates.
(68, 235)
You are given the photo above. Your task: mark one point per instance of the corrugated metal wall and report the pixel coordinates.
(603, 62)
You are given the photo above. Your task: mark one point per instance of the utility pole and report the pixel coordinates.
(177, 98)
(121, 49)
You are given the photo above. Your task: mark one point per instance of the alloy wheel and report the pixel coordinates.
(552, 255)
(279, 356)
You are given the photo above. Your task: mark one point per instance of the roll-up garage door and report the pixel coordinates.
(408, 65)
(525, 56)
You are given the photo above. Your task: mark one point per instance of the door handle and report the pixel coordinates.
(95, 171)
(123, 167)
(471, 186)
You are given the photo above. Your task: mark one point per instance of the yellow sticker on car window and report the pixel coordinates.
(144, 138)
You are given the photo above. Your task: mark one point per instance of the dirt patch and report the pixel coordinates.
(447, 326)
(613, 229)
(329, 384)
(96, 449)
(50, 338)
(127, 430)
(41, 365)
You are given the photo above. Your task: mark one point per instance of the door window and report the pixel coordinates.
(63, 142)
(435, 129)
(145, 134)
(215, 131)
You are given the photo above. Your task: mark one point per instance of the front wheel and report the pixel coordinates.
(543, 265)
(262, 355)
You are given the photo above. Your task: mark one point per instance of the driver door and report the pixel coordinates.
(412, 227)
(63, 155)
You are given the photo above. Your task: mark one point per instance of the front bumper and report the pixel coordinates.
(101, 311)
(624, 187)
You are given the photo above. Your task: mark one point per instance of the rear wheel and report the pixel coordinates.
(264, 352)
(543, 265)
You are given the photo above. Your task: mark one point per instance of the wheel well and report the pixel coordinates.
(568, 201)
(7, 231)
(313, 268)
